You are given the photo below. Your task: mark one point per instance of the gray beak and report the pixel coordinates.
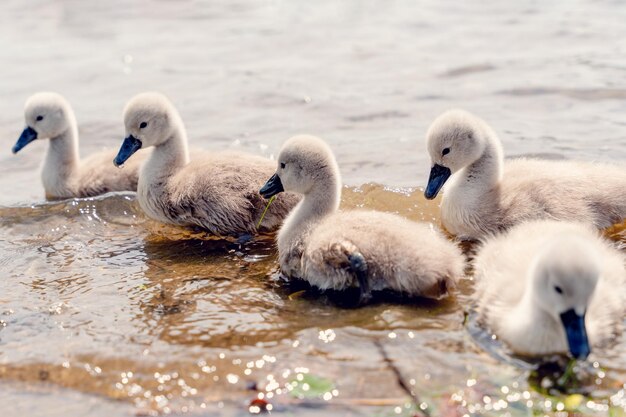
(576, 334)
(438, 177)
(272, 187)
(28, 135)
(130, 145)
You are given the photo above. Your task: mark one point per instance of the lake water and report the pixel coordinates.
(104, 312)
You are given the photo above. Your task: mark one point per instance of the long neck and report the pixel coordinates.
(320, 202)
(531, 327)
(168, 157)
(467, 187)
(487, 170)
(61, 161)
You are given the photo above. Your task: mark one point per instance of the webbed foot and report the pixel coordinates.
(358, 266)
(245, 238)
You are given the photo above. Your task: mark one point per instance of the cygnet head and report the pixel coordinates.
(454, 140)
(47, 115)
(564, 278)
(305, 164)
(150, 119)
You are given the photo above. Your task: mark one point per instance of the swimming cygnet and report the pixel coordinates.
(548, 287)
(64, 175)
(485, 194)
(217, 192)
(368, 249)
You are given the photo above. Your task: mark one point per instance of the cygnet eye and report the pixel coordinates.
(39, 118)
(142, 125)
(282, 165)
(558, 289)
(445, 151)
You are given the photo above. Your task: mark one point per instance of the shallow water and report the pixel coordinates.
(98, 299)
(97, 303)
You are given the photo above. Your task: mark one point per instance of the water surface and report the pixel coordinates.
(104, 312)
(96, 298)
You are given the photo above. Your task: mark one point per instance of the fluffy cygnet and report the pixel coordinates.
(547, 287)
(368, 249)
(483, 193)
(64, 175)
(217, 192)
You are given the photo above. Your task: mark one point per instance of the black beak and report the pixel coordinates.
(130, 145)
(28, 135)
(272, 187)
(576, 334)
(438, 177)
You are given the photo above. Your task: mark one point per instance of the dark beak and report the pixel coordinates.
(438, 177)
(576, 334)
(130, 145)
(272, 187)
(27, 136)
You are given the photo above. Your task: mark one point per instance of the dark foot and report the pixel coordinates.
(244, 239)
(358, 266)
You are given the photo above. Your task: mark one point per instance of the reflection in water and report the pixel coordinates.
(211, 293)
(99, 299)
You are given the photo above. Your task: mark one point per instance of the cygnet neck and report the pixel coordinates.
(487, 169)
(62, 159)
(528, 322)
(170, 155)
(323, 199)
